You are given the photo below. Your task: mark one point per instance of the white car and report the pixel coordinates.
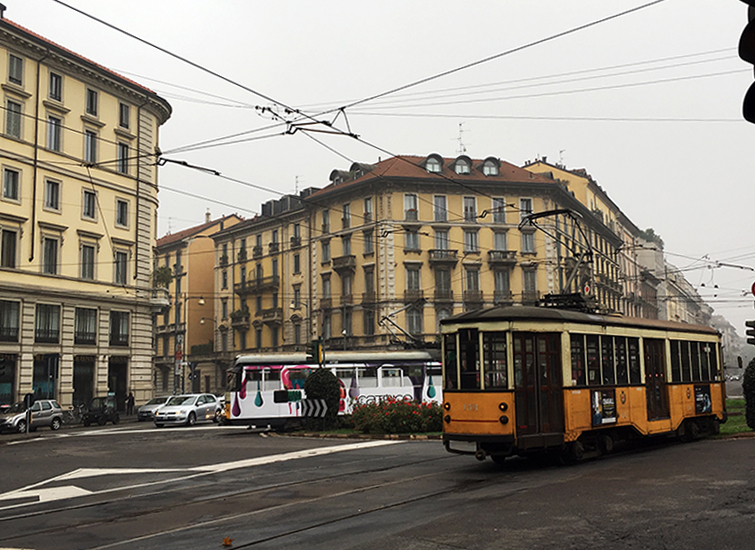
(188, 409)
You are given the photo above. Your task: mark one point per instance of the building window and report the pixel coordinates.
(258, 338)
(326, 286)
(90, 146)
(346, 324)
(9, 246)
(121, 267)
(326, 221)
(461, 166)
(346, 219)
(50, 256)
(411, 207)
(413, 278)
(9, 317)
(443, 281)
(499, 241)
(529, 283)
(92, 102)
(473, 280)
(124, 115)
(326, 326)
(119, 328)
(369, 281)
(16, 70)
(470, 209)
(85, 326)
(11, 185)
(411, 240)
(13, 119)
(369, 245)
(470, 242)
(297, 263)
(414, 320)
(368, 209)
(47, 324)
(224, 280)
(499, 210)
(121, 213)
(325, 251)
(123, 158)
(489, 168)
(87, 261)
(54, 125)
(369, 322)
(440, 208)
(441, 240)
(346, 286)
(528, 243)
(89, 205)
(297, 296)
(346, 245)
(501, 280)
(56, 87)
(297, 333)
(258, 304)
(52, 195)
(432, 165)
(525, 208)
(224, 308)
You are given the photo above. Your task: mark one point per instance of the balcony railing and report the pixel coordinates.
(411, 215)
(8, 334)
(273, 315)
(347, 299)
(503, 297)
(295, 242)
(345, 262)
(118, 339)
(254, 286)
(242, 255)
(84, 338)
(274, 247)
(367, 217)
(444, 295)
(444, 257)
(47, 336)
(502, 257)
(240, 321)
(530, 296)
(223, 260)
(326, 228)
(326, 303)
(346, 222)
(369, 297)
(473, 296)
(413, 295)
(257, 251)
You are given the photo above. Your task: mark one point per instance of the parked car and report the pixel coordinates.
(101, 411)
(44, 413)
(147, 411)
(188, 409)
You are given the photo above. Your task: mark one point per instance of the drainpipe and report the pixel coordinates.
(36, 152)
(138, 184)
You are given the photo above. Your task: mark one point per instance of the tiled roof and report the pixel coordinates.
(190, 232)
(44, 40)
(407, 166)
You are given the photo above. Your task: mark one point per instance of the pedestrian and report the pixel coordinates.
(130, 404)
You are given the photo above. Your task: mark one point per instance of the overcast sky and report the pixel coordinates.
(648, 102)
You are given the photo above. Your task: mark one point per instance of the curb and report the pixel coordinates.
(400, 437)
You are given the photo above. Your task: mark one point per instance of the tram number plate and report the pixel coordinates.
(471, 407)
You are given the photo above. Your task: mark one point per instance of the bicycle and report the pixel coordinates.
(74, 414)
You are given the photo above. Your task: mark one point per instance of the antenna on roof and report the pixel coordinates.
(561, 156)
(2, 11)
(462, 148)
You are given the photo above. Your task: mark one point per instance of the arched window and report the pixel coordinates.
(490, 168)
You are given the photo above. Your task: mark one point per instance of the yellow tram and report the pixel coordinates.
(519, 380)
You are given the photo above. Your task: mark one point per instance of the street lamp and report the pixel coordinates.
(179, 340)
(295, 305)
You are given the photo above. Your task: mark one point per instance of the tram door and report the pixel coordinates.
(655, 379)
(537, 383)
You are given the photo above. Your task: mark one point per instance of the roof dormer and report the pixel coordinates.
(490, 166)
(462, 165)
(433, 163)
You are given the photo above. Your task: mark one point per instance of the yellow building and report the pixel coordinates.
(184, 360)
(386, 251)
(78, 216)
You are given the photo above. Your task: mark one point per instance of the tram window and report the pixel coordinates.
(593, 361)
(609, 375)
(622, 370)
(705, 349)
(345, 376)
(633, 345)
(451, 381)
(297, 377)
(676, 362)
(469, 354)
(367, 377)
(578, 359)
(272, 379)
(686, 372)
(391, 377)
(494, 357)
(695, 354)
(254, 375)
(715, 373)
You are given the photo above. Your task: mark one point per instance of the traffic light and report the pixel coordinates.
(314, 351)
(747, 53)
(750, 332)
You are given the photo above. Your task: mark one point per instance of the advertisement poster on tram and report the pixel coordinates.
(603, 407)
(702, 399)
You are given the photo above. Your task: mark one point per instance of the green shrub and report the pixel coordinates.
(322, 384)
(748, 387)
(396, 416)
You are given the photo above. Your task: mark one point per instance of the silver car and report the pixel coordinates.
(147, 411)
(188, 409)
(44, 413)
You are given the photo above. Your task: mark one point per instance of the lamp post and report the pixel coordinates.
(295, 305)
(179, 340)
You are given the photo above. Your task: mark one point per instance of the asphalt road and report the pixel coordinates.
(134, 486)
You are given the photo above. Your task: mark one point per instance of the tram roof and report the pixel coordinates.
(333, 357)
(534, 313)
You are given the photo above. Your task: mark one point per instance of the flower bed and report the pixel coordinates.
(396, 416)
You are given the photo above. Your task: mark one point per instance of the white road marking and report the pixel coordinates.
(71, 491)
(118, 431)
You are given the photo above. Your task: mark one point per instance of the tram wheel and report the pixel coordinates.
(691, 431)
(498, 459)
(574, 453)
(606, 444)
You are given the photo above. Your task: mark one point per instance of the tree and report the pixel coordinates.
(748, 387)
(162, 276)
(650, 235)
(322, 384)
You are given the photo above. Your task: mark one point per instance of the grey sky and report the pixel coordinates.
(664, 139)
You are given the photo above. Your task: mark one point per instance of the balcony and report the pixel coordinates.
(242, 255)
(85, 338)
(503, 298)
(367, 217)
(443, 257)
(413, 295)
(273, 248)
(369, 297)
(240, 320)
(46, 336)
(295, 242)
(257, 251)
(223, 260)
(256, 286)
(8, 334)
(473, 296)
(119, 339)
(347, 299)
(272, 316)
(346, 222)
(160, 298)
(326, 303)
(411, 215)
(325, 228)
(502, 257)
(530, 297)
(345, 263)
(444, 295)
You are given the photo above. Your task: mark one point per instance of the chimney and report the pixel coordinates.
(2, 11)
(207, 216)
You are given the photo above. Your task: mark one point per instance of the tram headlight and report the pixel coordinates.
(503, 419)
(447, 419)
(447, 406)
(503, 407)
